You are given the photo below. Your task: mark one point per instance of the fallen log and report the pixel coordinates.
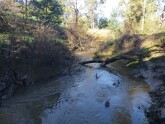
(91, 61)
(109, 60)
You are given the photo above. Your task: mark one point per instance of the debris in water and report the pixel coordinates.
(116, 84)
(107, 103)
(97, 77)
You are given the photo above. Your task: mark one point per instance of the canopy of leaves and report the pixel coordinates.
(138, 11)
(47, 11)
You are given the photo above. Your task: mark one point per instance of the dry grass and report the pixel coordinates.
(81, 39)
(100, 35)
(149, 46)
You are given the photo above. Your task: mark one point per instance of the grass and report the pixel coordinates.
(132, 64)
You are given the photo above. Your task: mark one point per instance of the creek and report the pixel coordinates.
(80, 99)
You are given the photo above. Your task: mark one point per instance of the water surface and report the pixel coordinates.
(80, 99)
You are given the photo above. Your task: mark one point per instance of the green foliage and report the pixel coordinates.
(103, 23)
(140, 16)
(135, 10)
(28, 43)
(96, 55)
(134, 13)
(143, 53)
(133, 64)
(114, 24)
(91, 11)
(161, 35)
(47, 11)
(151, 26)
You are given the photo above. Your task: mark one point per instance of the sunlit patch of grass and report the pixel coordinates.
(61, 40)
(27, 38)
(147, 43)
(161, 35)
(155, 44)
(100, 36)
(132, 64)
(4, 38)
(140, 47)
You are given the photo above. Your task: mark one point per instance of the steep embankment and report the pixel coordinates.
(31, 53)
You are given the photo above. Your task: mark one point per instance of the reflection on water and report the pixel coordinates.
(80, 99)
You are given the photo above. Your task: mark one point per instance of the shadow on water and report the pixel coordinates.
(80, 99)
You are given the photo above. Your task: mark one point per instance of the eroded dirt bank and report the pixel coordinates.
(153, 72)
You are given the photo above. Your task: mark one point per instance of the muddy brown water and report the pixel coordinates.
(80, 99)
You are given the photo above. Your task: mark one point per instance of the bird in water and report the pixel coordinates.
(116, 84)
(97, 77)
(107, 103)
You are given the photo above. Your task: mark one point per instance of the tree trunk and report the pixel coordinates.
(92, 20)
(143, 18)
(76, 14)
(26, 9)
(109, 60)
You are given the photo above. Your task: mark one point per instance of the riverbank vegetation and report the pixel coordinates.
(33, 47)
(38, 40)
